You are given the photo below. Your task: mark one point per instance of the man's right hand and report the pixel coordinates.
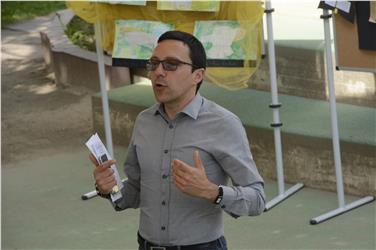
(103, 175)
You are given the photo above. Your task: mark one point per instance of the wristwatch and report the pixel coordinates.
(106, 196)
(220, 196)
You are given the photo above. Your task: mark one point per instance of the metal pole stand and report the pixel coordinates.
(335, 138)
(282, 194)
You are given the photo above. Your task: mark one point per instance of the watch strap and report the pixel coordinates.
(106, 196)
(220, 196)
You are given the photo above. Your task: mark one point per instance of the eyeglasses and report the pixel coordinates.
(169, 64)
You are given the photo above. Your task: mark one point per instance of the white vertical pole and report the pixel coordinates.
(275, 105)
(102, 79)
(274, 92)
(333, 111)
(342, 207)
(105, 105)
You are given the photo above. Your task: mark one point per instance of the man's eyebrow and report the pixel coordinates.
(172, 58)
(167, 58)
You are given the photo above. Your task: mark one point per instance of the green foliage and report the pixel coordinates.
(13, 11)
(81, 33)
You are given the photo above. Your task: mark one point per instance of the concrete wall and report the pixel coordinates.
(310, 161)
(75, 70)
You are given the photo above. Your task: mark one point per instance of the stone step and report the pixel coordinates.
(306, 133)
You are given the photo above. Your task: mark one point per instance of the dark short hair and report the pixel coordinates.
(196, 49)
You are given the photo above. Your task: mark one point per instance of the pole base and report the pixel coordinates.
(283, 196)
(341, 210)
(89, 195)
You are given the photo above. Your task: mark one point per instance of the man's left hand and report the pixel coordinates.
(192, 180)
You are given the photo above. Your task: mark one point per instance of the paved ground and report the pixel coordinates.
(42, 209)
(48, 170)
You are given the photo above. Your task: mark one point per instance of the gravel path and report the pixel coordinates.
(38, 118)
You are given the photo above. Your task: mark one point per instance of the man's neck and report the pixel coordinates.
(172, 109)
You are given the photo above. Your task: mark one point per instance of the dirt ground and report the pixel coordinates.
(38, 118)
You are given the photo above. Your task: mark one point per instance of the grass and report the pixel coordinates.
(81, 33)
(14, 11)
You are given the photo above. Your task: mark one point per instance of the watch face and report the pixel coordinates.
(218, 201)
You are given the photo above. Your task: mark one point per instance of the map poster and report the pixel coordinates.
(225, 42)
(185, 5)
(128, 2)
(136, 40)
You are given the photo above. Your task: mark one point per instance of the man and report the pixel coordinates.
(182, 152)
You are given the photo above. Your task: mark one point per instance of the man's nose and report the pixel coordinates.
(160, 70)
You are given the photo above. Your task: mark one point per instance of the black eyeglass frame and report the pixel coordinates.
(153, 67)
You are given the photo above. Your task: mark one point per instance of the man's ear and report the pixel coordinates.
(198, 75)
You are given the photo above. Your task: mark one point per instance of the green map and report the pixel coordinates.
(211, 6)
(130, 2)
(136, 39)
(223, 40)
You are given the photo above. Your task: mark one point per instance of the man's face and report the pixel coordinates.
(174, 87)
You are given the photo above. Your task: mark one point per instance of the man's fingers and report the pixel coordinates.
(104, 180)
(180, 165)
(177, 173)
(93, 160)
(109, 163)
(101, 173)
(180, 180)
(180, 183)
(106, 164)
(197, 159)
(105, 186)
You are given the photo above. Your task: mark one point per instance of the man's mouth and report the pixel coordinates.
(160, 84)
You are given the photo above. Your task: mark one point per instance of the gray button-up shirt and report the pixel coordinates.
(168, 216)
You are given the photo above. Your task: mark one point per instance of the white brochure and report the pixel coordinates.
(97, 148)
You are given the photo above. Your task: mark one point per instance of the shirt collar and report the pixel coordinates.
(192, 109)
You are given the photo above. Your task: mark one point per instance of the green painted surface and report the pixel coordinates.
(299, 115)
(318, 45)
(42, 209)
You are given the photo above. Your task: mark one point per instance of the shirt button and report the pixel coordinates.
(163, 228)
(165, 151)
(164, 176)
(163, 203)
(171, 126)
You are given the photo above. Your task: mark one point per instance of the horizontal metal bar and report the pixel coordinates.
(89, 195)
(283, 196)
(341, 210)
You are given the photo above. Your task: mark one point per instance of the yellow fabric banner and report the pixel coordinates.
(248, 13)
